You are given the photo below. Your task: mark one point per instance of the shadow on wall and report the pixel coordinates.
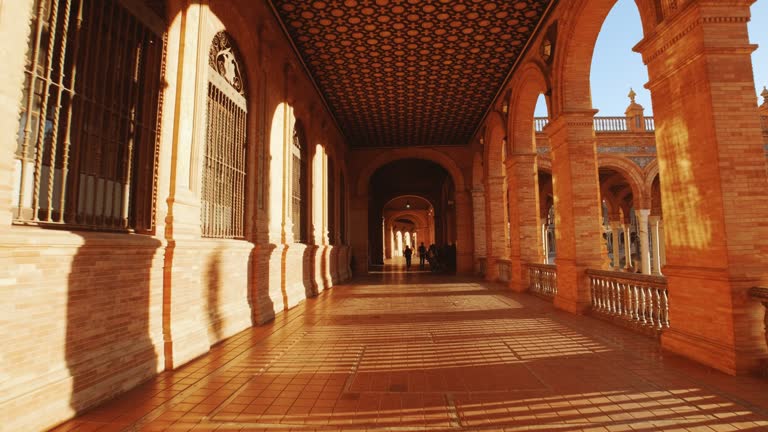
(309, 266)
(213, 295)
(113, 307)
(263, 284)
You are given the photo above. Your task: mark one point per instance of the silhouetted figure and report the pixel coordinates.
(422, 255)
(407, 253)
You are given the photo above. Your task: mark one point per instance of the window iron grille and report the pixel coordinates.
(224, 166)
(87, 140)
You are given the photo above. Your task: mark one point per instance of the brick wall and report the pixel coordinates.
(82, 321)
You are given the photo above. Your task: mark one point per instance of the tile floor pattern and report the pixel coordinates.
(423, 352)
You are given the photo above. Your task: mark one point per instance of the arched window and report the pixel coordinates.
(223, 193)
(88, 126)
(299, 184)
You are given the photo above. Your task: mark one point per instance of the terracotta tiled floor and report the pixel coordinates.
(425, 352)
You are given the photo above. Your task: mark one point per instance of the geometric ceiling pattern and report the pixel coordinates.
(409, 72)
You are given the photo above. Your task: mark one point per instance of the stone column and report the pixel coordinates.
(616, 241)
(524, 221)
(389, 241)
(545, 243)
(495, 227)
(578, 232)
(627, 247)
(655, 245)
(712, 162)
(645, 251)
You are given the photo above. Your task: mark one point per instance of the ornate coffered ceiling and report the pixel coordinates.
(409, 72)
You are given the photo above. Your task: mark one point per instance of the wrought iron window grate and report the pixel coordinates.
(87, 140)
(224, 170)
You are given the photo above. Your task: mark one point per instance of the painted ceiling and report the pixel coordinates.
(409, 72)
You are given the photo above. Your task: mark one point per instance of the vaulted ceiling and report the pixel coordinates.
(409, 72)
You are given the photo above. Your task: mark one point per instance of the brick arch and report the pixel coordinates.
(631, 172)
(575, 47)
(393, 155)
(495, 132)
(419, 220)
(651, 171)
(529, 83)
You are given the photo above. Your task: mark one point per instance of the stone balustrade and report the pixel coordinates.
(542, 280)
(761, 294)
(641, 301)
(612, 124)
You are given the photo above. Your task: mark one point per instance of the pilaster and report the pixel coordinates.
(464, 243)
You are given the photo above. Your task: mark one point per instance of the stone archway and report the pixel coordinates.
(461, 206)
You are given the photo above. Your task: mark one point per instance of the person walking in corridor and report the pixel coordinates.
(407, 253)
(422, 255)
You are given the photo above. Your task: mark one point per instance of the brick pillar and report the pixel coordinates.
(578, 230)
(495, 225)
(358, 234)
(478, 213)
(525, 224)
(713, 182)
(464, 244)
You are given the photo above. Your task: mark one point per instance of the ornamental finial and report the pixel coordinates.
(764, 94)
(632, 95)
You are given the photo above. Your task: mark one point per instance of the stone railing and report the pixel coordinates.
(505, 269)
(641, 301)
(542, 280)
(603, 124)
(650, 125)
(761, 294)
(611, 124)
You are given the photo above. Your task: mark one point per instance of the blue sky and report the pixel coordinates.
(616, 68)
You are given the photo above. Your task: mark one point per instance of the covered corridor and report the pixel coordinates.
(428, 352)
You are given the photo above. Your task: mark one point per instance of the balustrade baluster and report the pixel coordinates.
(659, 309)
(651, 322)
